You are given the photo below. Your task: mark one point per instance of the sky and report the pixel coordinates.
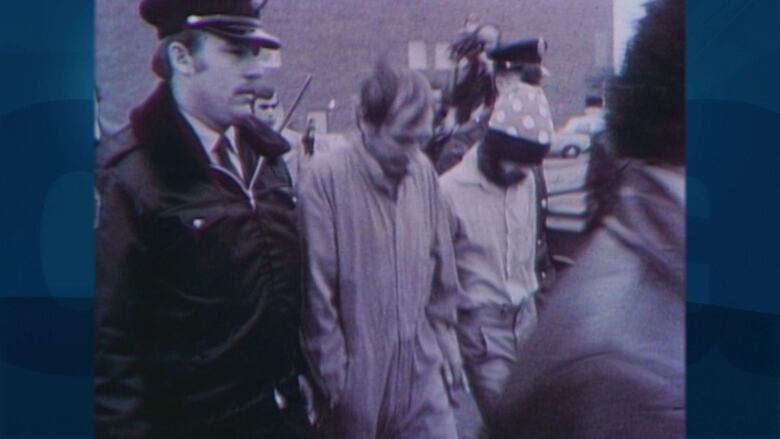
(625, 14)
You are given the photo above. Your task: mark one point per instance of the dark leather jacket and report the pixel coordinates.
(197, 281)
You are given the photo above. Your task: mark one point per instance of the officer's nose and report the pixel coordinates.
(254, 70)
(255, 65)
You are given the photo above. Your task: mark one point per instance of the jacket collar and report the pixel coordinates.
(208, 137)
(650, 217)
(374, 173)
(174, 149)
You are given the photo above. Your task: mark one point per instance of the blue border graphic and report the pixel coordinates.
(46, 306)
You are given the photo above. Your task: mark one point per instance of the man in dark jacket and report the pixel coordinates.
(608, 357)
(198, 264)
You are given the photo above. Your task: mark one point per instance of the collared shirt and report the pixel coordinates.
(210, 138)
(494, 231)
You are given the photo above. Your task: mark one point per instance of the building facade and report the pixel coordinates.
(338, 41)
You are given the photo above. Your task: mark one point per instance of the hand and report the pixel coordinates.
(454, 378)
(452, 366)
(308, 394)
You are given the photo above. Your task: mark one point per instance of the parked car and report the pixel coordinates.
(569, 145)
(591, 123)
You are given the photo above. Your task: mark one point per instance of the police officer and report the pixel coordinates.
(523, 57)
(198, 264)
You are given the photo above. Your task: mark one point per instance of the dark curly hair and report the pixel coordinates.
(646, 102)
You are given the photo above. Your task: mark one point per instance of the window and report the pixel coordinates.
(417, 55)
(442, 56)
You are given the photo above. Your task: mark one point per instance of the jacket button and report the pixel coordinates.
(544, 275)
(539, 242)
(197, 223)
(544, 203)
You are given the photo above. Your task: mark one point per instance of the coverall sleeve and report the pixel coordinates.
(119, 303)
(445, 293)
(322, 338)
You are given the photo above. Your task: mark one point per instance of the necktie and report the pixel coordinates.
(223, 151)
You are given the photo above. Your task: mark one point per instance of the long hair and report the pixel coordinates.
(393, 93)
(646, 118)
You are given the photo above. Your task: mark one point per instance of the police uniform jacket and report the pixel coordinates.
(197, 281)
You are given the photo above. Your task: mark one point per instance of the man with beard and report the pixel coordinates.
(498, 199)
(608, 357)
(380, 303)
(198, 261)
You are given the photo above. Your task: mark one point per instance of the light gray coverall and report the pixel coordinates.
(381, 268)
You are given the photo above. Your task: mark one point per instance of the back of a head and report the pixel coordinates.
(392, 93)
(646, 102)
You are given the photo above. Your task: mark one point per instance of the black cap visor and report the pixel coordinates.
(239, 29)
(522, 51)
(503, 146)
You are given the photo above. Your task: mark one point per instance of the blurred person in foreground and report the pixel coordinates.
(608, 357)
(498, 198)
(198, 263)
(379, 310)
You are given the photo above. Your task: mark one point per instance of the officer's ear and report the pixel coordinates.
(180, 59)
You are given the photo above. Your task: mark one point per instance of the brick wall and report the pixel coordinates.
(338, 41)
